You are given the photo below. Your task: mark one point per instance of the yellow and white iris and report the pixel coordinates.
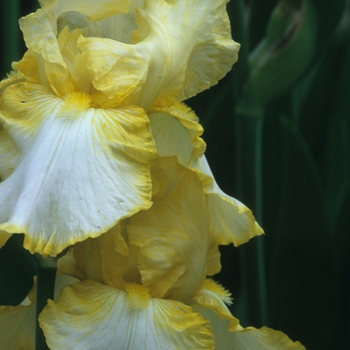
(144, 283)
(77, 119)
(98, 152)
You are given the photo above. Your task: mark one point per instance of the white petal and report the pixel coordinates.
(90, 316)
(82, 169)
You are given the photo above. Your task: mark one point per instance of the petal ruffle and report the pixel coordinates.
(89, 315)
(230, 220)
(82, 169)
(188, 52)
(213, 296)
(173, 236)
(246, 338)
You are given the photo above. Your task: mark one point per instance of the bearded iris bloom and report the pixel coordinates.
(146, 286)
(76, 136)
(98, 153)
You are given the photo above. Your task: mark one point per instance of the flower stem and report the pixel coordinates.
(249, 130)
(46, 274)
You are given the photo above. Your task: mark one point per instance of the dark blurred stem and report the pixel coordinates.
(249, 130)
(236, 10)
(10, 33)
(46, 274)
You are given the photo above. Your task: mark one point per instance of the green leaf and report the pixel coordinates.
(303, 286)
(17, 269)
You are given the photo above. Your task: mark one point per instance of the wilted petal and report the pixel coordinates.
(82, 169)
(89, 315)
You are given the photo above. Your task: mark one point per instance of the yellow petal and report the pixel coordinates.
(177, 133)
(45, 61)
(230, 220)
(89, 315)
(17, 324)
(173, 236)
(213, 296)
(40, 28)
(118, 70)
(9, 154)
(82, 169)
(189, 47)
(246, 338)
(107, 259)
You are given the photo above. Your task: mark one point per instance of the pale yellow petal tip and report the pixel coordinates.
(266, 338)
(138, 296)
(218, 289)
(4, 236)
(214, 297)
(258, 230)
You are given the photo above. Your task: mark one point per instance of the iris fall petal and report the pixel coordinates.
(81, 170)
(89, 315)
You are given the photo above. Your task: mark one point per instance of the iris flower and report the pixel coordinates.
(80, 115)
(144, 284)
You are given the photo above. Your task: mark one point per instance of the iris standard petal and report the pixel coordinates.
(89, 315)
(40, 28)
(82, 169)
(107, 259)
(117, 69)
(189, 47)
(174, 236)
(44, 60)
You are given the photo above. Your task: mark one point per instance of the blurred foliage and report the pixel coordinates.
(286, 121)
(278, 134)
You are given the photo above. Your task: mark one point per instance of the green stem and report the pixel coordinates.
(249, 131)
(46, 274)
